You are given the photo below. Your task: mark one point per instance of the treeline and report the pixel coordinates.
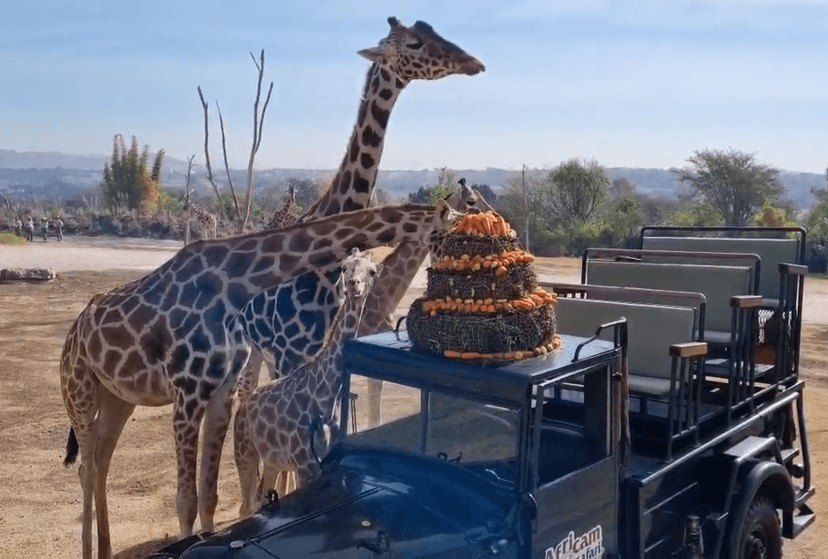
(560, 210)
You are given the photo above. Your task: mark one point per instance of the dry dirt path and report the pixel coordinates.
(40, 501)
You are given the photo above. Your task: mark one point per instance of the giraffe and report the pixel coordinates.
(208, 222)
(277, 422)
(399, 269)
(286, 215)
(171, 337)
(288, 323)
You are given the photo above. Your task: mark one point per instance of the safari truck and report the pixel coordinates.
(658, 430)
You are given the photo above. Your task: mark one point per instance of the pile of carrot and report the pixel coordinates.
(485, 223)
(539, 297)
(499, 262)
(551, 347)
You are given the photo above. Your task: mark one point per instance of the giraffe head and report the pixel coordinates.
(418, 52)
(358, 273)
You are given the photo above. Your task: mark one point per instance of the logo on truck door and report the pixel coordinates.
(586, 546)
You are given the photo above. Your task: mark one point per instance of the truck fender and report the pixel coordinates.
(766, 478)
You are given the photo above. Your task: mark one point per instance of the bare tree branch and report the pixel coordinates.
(207, 151)
(258, 124)
(227, 165)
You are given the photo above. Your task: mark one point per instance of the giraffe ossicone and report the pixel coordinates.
(172, 336)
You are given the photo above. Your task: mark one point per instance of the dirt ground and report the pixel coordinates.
(40, 500)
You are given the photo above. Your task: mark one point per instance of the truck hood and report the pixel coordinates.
(371, 501)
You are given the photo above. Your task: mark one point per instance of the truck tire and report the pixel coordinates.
(761, 535)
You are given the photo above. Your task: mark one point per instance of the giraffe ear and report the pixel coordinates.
(443, 211)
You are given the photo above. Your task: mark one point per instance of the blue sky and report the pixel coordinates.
(629, 83)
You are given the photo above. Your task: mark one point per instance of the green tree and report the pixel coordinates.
(433, 193)
(577, 189)
(732, 182)
(127, 183)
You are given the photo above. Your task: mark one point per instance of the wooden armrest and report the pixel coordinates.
(746, 301)
(689, 349)
(794, 269)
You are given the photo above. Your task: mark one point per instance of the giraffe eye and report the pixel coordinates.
(415, 45)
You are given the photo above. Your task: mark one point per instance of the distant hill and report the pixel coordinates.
(61, 174)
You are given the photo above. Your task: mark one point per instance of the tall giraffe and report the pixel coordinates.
(171, 337)
(276, 423)
(398, 271)
(289, 322)
(287, 213)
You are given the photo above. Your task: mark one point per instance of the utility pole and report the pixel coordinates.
(525, 204)
(187, 199)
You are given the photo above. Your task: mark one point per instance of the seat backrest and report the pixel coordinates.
(717, 283)
(652, 329)
(772, 252)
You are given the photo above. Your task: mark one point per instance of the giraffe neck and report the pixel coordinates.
(354, 182)
(398, 270)
(246, 265)
(325, 369)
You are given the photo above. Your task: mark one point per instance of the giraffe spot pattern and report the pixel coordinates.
(366, 160)
(179, 357)
(353, 151)
(238, 264)
(197, 367)
(156, 342)
(263, 263)
(237, 295)
(199, 340)
(344, 187)
(118, 336)
(141, 317)
(273, 244)
(214, 255)
(208, 285)
(380, 115)
(370, 138)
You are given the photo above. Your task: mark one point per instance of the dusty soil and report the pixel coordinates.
(40, 500)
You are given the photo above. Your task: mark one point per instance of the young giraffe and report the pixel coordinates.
(287, 214)
(399, 269)
(287, 324)
(277, 422)
(172, 337)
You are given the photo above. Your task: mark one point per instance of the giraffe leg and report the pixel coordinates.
(374, 402)
(247, 461)
(186, 426)
(216, 421)
(112, 416)
(271, 477)
(81, 399)
(249, 377)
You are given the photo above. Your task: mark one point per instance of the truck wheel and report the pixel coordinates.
(761, 536)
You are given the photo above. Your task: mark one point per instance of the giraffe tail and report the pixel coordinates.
(72, 448)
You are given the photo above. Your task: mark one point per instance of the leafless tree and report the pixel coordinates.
(242, 210)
